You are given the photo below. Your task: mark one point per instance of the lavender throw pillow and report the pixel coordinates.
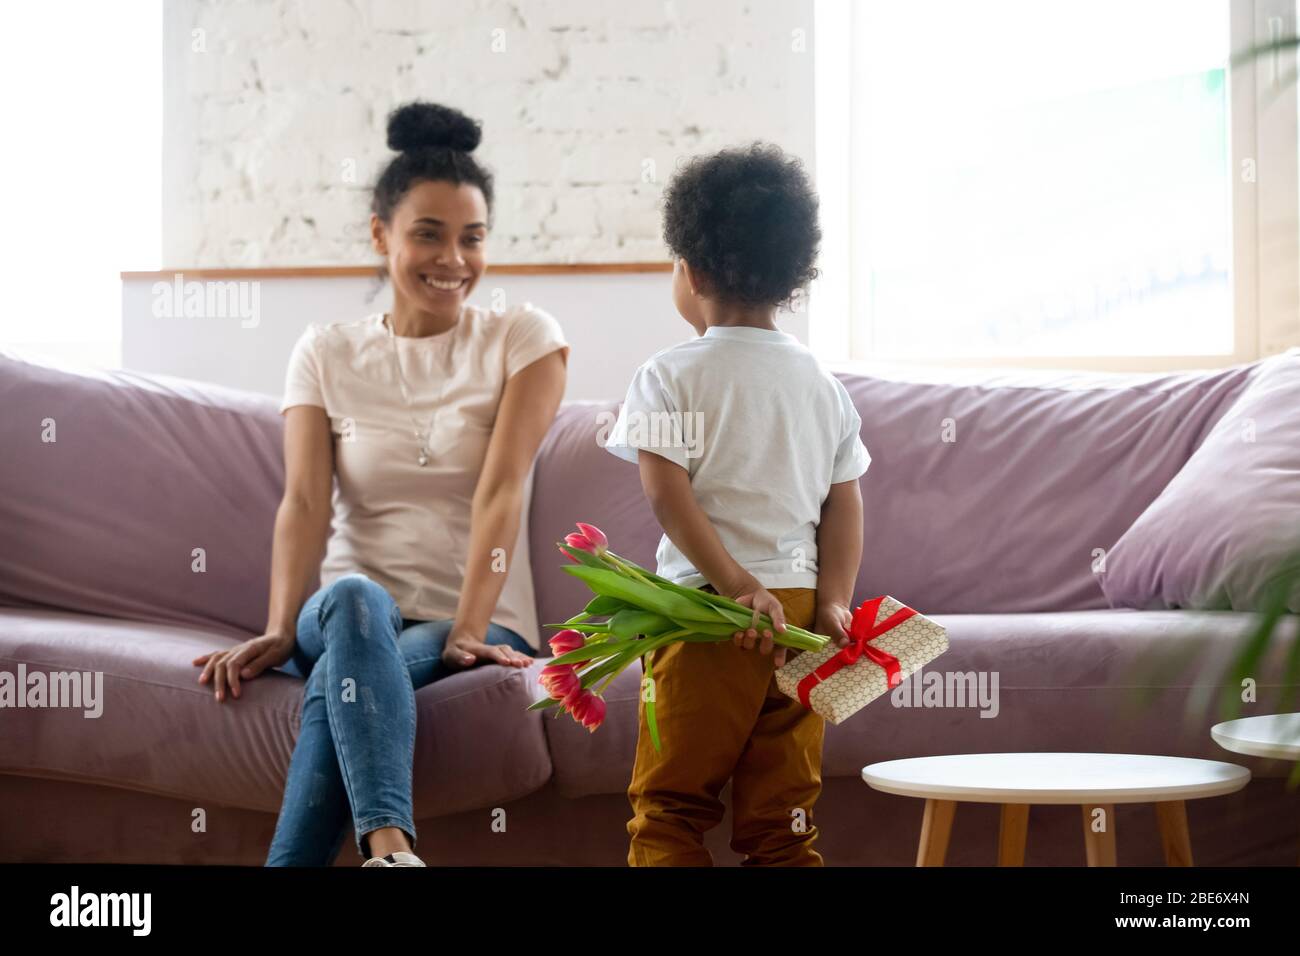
(1219, 533)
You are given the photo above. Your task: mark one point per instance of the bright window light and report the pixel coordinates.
(82, 101)
(1041, 179)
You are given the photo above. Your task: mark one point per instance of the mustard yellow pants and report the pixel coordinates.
(720, 716)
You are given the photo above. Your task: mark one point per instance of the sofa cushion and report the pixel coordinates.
(987, 492)
(1219, 532)
(992, 493)
(161, 732)
(144, 469)
(1107, 680)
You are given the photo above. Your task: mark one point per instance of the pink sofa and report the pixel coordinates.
(992, 535)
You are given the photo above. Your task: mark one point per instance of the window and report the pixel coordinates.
(82, 197)
(1039, 182)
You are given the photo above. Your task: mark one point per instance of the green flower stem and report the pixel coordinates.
(631, 569)
(805, 640)
(615, 664)
(599, 668)
(651, 722)
(583, 628)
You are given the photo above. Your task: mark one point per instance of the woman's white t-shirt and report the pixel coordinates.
(406, 525)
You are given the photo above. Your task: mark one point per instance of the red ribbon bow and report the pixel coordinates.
(863, 630)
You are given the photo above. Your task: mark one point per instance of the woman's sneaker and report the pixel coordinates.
(400, 858)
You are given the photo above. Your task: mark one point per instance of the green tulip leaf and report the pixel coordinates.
(631, 622)
(603, 606)
(582, 557)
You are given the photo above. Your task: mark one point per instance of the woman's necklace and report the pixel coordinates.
(421, 438)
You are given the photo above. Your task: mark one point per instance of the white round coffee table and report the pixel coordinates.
(1274, 735)
(1096, 782)
(1270, 735)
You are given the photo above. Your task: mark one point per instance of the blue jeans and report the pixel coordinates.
(356, 747)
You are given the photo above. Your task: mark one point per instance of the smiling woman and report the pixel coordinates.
(451, 203)
(429, 417)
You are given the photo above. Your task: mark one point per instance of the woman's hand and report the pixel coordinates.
(244, 661)
(465, 649)
(749, 592)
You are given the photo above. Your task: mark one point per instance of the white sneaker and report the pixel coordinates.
(400, 858)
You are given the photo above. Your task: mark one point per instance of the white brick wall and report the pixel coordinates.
(274, 115)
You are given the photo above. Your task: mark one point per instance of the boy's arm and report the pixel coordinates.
(668, 487)
(839, 552)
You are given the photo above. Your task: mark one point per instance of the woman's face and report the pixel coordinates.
(434, 245)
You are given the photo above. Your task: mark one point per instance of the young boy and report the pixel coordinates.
(753, 474)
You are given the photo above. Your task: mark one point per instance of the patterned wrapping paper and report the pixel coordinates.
(890, 642)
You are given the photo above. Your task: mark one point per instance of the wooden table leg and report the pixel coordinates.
(1099, 846)
(1171, 815)
(936, 826)
(1012, 831)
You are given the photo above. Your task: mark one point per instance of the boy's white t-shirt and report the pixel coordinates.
(763, 431)
(406, 525)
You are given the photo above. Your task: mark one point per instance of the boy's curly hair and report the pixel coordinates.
(746, 217)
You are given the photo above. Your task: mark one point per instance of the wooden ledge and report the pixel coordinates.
(368, 272)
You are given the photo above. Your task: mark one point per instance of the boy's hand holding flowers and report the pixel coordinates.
(749, 592)
(642, 612)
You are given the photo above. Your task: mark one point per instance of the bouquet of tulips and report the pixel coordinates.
(633, 613)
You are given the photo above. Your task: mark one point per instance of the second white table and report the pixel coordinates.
(1091, 780)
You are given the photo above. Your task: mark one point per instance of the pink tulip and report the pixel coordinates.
(579, 541)
(561, 681)
(593, 534)
(587, 709)
(567, 640)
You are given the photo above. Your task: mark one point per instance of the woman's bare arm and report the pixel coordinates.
(302, 522)
(528, 405)
(301, 529)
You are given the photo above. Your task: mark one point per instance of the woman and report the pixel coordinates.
(430, 417)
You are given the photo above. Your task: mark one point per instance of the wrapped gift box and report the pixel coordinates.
(890, 642)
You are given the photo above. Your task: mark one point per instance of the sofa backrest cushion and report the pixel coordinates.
(143, 470)
(987, 492)
(1224, 527)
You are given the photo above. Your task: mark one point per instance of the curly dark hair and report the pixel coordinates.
(434, 143)
(746, 218)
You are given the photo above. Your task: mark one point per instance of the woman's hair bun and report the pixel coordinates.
(422, 125)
